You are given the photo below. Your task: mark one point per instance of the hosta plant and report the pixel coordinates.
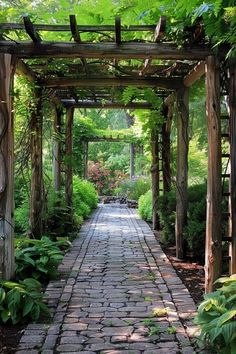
(217, 317)
(20, 302)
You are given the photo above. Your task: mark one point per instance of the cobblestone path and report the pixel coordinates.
(117, 294)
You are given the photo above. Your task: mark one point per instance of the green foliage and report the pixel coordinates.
(84, 198)
(38, 258)
(217, 317)
(145, 206)
(21, 302)
(166, 211)
(134, 188)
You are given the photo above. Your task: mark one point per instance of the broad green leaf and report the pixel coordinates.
(27, 307)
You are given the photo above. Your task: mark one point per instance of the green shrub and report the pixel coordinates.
(38, 258)
(217, 317)
(145, 206)
(21, 301)
(84, 197)
(133, 189)
(21, 215)
(166, 211)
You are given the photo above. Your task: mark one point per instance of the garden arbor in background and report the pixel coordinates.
(94, 74)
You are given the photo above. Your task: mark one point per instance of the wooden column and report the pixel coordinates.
(85, 146)
(213, 253)
(132, 160)
(68, 163)
(37, 190)
(7, 260)
(57, 159)
(166, 151)
(182, 169)
(155, 179)
(232, 109)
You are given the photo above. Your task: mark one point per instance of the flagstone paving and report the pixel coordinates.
(117, 294)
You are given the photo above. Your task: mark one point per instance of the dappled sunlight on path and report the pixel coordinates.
(118, 293)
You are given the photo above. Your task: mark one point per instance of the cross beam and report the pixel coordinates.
(103, 50)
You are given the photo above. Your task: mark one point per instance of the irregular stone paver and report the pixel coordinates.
(118, 293)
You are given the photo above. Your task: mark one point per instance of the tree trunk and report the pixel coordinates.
(232, 109)
(182, 170)
(213, 255)
(132, 160)
(166, 152)
(7, 260)
(155, 179)
(85, 148)
(57, 160)
(68, 164)
(37, 189)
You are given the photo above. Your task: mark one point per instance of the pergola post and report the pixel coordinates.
(36, 142)
(232, 183)
(213, 253)
(132, 160)
(165, 132)
(7, 260)
(182, 169)
(57, 158)
(155, 178)
(68, 163)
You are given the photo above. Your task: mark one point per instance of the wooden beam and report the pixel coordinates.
(155, 178)
(103, 50)
(168, 83)
(232, 110)
(159, 32)
(182, 169)
(106, 105)
(68, 165)
(118, 30)
(7, 258)
(25, 71)
(74, 29)
(195, 74)
(57, 148)
(82, 28)
(29, 27)
(213, 253)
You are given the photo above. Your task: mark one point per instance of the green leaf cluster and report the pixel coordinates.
(38, 258)
(21, 301)
(217, 316)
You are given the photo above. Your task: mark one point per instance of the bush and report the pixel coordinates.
(38, 258)
(22, 215)
(216, 316)
(21, 301)
(84, 198)
(133, 189)
(145, 206)
(166, 211)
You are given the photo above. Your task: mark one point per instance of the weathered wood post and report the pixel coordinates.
(182, 169)
(57, 142)
(213, 255)
(68, 163)
(165, 132)
(132, 160)
(232, 186)
(36, 143)
(155, 178)
(7, 261)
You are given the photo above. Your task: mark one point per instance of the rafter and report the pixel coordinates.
(106, 105)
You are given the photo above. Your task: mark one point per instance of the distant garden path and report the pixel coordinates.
(118, 293)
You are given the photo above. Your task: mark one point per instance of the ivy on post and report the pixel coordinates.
(213, 253)
(7, 263)
(37, 184)
(68, 164)
(182, 169)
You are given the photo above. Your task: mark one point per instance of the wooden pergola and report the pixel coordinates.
(92, 74)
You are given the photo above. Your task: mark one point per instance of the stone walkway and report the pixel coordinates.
(117, 294)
